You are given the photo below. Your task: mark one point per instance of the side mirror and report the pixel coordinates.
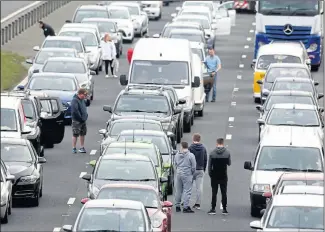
(163, 179)
(84, 200)
(320, 96)
(316, 83)
(207, 36)
(68, 21)
(41, 160)
(173, 15)
(93, 163)
(167, 204)
(102, 132)
(170, 134)
(166, 165)
(248, 165)
(178, 8)
(178, 111)
(265, 93)
(86, 177)
(92, 72)
(107, 108)
(20, 87)
(196, 83)
(321, 109)
(256, 225)
(260, 121)
(11, 178)
(259, 108)
(29, 61)
(123, 80)
(67, 228)
(260, 82)
(36, 71)
(156, 36)
(36, 48)
(262, 212)
(181, 101)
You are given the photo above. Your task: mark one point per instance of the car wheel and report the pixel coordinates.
(4, 220)
(10, 207)
(192, 119)
(255, 212)
(170, 185)
(178, 135)
(187, 127)
(201, 113)
(35, 200)
(41, 191)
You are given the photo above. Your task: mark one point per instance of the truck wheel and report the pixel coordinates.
(257, 100)
(315, 68)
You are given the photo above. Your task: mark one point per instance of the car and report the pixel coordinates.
(163, 143)
(75, 66)
(159, 212)
(45, 53)
(122, 168)
(208, 4)
(6, 192)
(111, 215)
(122, 17)
(292, 115)
(114, 128)
(229, 6)
(66, 42)
(89, 11)
(192, 35)
(292, 212)
(152, 8)
(92, 43)
(59, 85)
(136, 100)
(194, 10)
(139, 18)
(24, 163)
(146, 149)
(108, 26)
(223, 22)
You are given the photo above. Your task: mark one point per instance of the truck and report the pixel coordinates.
(291, 20)
(244, 6)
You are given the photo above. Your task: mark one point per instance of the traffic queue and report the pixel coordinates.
(128, 187)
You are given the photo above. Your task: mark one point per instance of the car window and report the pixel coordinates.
(29, 109)
(207, 14)
(134, 10)
(302, 182)
(290, 85)
(204, 22)
(82, 14)
(275, 73)
(198, 52)
(265, 60)
(50, 83)
(103, 27)
(15, 153)
(8, 120)
(65, 67)
(42, 56)
(294, 117)
(191, 37)
(88, 38)
(118, 127)
(119, 14)
(63, 44)
(278, 99)
(205, 4)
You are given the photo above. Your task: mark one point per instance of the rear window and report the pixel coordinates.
(82, 14)
(8, 120)
(63, 44)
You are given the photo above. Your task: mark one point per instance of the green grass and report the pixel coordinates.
(12, 70)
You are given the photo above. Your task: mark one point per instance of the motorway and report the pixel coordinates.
(233, 116)
(9, 7)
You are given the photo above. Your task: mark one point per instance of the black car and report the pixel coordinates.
(149, 104)
(23, 162)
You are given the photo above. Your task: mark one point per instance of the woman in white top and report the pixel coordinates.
(108, 54)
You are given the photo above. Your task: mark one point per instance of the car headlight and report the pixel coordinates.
(28, 179)
(85, 85)
(261, 188)
(94, 191)
(260, 44)
(156, 222)
(313, 47)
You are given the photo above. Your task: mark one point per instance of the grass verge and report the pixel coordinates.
(12, 70)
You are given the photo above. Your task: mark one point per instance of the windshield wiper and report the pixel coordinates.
(8, 130)
(115, 179)
(275, 11)
(146, 180)
(158, 112)
(137, 111)
(301, 13)
(310, 170)
(282, 169)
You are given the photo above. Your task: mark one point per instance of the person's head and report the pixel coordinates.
(211, 51)
(184, 146)
(82, 93)
(107, 37)
(196, 138)
(41, 24)
(220, 142)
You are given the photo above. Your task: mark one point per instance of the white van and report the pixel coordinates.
(168, 62)
(199, 94)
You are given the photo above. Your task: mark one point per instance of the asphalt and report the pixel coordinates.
(233, 116)
(9, 7)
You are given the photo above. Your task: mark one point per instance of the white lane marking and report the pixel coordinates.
(243, 56)
(231, 126)
(241, 66)
(228, 137)
(221, 206)
(93, 152)
(239, 77)
(246, 46)
(71, 200)
(236, 89)
(253, 23)
(251, 31)
(249, 39)
(231, 119)
(82, 174)
(233, 103)
(57, 229)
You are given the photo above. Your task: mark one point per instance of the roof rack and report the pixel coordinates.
(16, 93)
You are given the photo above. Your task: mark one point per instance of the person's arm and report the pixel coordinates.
(210, 166)
(229, 159)
(75, 110)
(193, 163)
(205, 159)
(218, 64)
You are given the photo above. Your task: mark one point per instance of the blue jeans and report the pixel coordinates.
(214, 89)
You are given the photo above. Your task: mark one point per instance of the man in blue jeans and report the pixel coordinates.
(213, 64)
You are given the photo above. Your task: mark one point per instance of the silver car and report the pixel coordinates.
(6, 190)
(45, 53)
(76, 66)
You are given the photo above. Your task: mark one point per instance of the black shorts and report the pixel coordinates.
(79, 129)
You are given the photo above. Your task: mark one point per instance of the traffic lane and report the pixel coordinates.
(7, 7)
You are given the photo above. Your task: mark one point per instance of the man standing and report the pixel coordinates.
(79, 117)
(219, 160)
(201, 158)
(185, 165)
(213, 64)
(47, 29)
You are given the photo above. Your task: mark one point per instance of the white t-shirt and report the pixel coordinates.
(108, 50)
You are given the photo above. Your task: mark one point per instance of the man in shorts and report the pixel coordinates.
(79, 117)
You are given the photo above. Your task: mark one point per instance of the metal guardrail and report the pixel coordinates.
(17, 22)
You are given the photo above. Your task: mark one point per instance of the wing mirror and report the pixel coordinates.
(167, 204)
(29, 61)
(253, 64)
(68, 21)
(248, 165)
(259, 108)
(321, 109)
(196, 83)
(86, 177)
(20, 87)
(181, 101)
(92, 163)
(255, 225)
(163, 179)
(36, 48)
(11, 178)
(67, 228)
(316, 83)
(265, 93)
(170, 134)
(260, 82)
(173, 15)
(123, 80)
(156, 36)
(84, 200)
(178, 111)
(102, 132)
(107, 108)
(41, 160)
(260, 121)
(207, 36)
(308, 61)
(92, 72)
(166, 165)
(36, 71)
(320, 96)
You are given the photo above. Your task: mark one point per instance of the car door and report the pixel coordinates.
(52, 117)
(232, 13)
(223, 25)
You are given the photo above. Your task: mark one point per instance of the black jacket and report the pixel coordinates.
(219, 160)
(78, 109)
(48, 30)
(200, 154)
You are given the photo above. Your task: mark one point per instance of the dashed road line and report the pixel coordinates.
(236, 89)
(233, 103)
(246, 46)
(253, 23)
(239, 77)
(241, 66)
(82, 174)
(249, 38)
(228, 137)
(231, 119)
(221, 206)
(57, 229)
(243, 56)
(251, 31)
(71, 201)
(93, 152)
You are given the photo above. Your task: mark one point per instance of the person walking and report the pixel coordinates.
(47, 29)
(108, 54)
(219, 160)
(185, 166)
(213, 64)
(129, 55)
(79, 117)
(201, 159)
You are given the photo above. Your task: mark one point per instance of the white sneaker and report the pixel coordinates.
(106, 76)
(114, 76)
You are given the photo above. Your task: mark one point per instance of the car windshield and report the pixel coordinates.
(82, 14)
(198, 52)
(294, 117)
(15, 153)
(302, 182)
(265, 61)
(28, 109)
(103, 27)
(134, 10)
(63, 44)
(189, 36)
(52, 83)
(274, 73)
(148, 197)
(207, 14)
(205, 4)
(130, 170)
(148, 151)
(159, 141)
(42, 56)
(119, 14)
(284, 158)
(88, 38)
(65, 67)
(289, 7)
(293, 217)
(8, 120)
(118, 127)
(160, 72)
(167, 30)
(111, 219)
(293, 85)
(204, 22)
(292, 99)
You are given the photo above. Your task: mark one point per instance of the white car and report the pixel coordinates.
(208, 4)
(152, 8)
(139, 18)
(194, 10)
(6, 189)
(122, 17)
(229, 5)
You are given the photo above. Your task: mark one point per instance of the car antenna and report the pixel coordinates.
(125, 147)
(133, 137)
(144, 119)
(290, 136)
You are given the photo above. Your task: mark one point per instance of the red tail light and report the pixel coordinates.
(84, 200)
(267, 194)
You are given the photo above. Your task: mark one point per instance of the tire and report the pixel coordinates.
(192, 119)
(35, 201)
(255, 212)
(5, 219)
(178, 135)
(257, 100)
(201, 113)
(49, 145)
(187, 127)
(10, 207)
(170, 186)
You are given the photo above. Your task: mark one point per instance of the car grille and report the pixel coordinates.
(299, 33)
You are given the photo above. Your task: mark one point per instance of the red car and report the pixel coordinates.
(159, 212)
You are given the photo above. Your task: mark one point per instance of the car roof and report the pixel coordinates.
(197, 45)
(144, 92)
(136, 120)
(58, 50)
(14, 141)
(114, 203)
(78, 29)
(136, 144)
(298, 200)
(288, 65)
(142, 132)
(125, 3)
(92, 7)
(66, 59)
(187, 24)
(98, 20)
(290, 93)
(302, 189)
(110, 7)
(281, 49)
(118, 156)
(292, 79)
(195, 9)
(294, 106)
(52, 74)
(186, 31)
(193, 17)
(302, 176)
(128, 185)
(66, 38)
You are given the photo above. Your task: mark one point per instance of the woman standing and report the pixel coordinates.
(108, 54)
